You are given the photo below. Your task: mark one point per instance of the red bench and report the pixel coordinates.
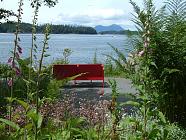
(87, 71)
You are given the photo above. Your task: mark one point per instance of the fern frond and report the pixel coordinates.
(148, 4)
(136, 7)
(177, 7)
(138, 25)
(182, 7)
(171, 5)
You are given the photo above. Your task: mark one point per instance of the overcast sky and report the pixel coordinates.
(81, 12)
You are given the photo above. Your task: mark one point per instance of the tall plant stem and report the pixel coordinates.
(33, 40)
(45, 43)
(31, 51)
(14, 56)
(145, 91)
(146, 45)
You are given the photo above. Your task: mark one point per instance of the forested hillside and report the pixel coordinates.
(55, 29)
(123, 32)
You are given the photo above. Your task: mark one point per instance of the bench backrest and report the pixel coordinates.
(91, 71)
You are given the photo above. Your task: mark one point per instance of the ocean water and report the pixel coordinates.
(83, 46)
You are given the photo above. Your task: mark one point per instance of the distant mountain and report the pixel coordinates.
(113, 27)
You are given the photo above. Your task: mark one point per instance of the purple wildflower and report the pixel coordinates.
(19, 50)
(146, 44)
(10, 82)
(141, 53)
(10, 60)
(18, 71)
(13, 65)
(17, 55)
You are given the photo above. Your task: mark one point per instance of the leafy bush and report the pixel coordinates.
(176, 133)
(159, 56)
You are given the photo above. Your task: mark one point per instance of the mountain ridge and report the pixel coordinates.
(113, 27)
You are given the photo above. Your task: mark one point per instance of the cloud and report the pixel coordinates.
(93, 17)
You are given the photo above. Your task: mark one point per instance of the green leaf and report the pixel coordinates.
(43, 74)
(26, 81)
(10, 123)
(169, 71)
(153, 134)
(46, 55)
(32, 82)
(119, 53)
(39, 120)
(29, 126)
(140, 88)
(44, 137)
(162, 117)
(75, 76)
(41, 102)
(118, 63)
(133, 103)
(24, 104)
(153, 64)
(10, 100)
(143, 97)
(32, 114)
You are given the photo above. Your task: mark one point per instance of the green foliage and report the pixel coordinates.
(53, 88)
(115, 111)
(66, 53)
(157, 69)
(5, 14)
(158, 61)
(176, 132)
(169, 56)
(65, 57)
(124, 32)
(5, 72)
(57, 29)
(50, 3)
(113, 68)
(10, 27)
(10, 123)
(121, 57)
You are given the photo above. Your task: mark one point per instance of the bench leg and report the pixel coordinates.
(102, 92)
(75, 82)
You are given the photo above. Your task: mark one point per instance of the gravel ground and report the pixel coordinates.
(92, 91)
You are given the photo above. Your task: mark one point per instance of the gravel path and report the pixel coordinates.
(92, 91)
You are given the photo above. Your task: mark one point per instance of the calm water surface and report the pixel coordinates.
(83, 46)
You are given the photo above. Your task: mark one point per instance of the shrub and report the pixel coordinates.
(161, 47)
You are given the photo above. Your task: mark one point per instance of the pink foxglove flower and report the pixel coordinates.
(17, 55)
(10, 82)
(18, 71)
(13, 64)
(146, 41)
(19, 50)
(141, 53)
(146, 44)
(10, 60)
